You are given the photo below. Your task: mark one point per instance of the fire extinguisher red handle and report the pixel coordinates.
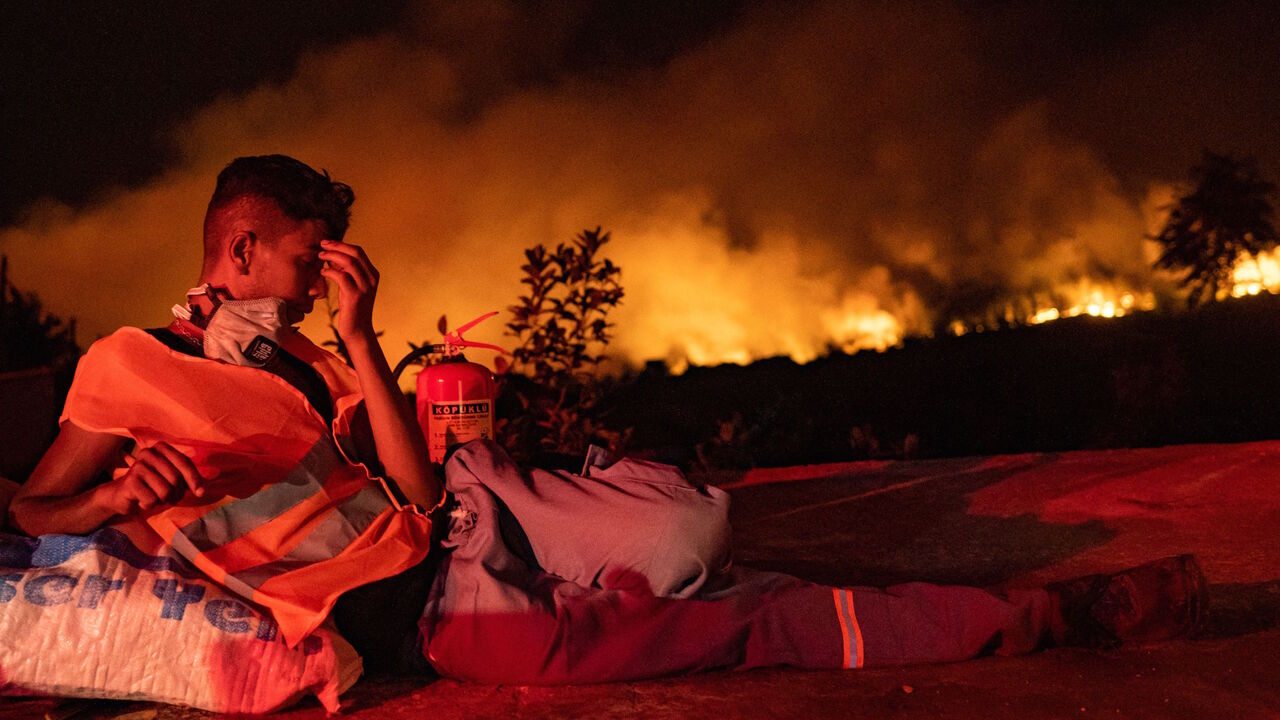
(468, 325)
(455, 338)
(452, 340)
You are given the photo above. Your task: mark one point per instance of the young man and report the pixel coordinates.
(250, 445)
(261, 458)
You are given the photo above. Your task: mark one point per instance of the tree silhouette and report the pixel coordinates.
(29, 336)
(1226, 216)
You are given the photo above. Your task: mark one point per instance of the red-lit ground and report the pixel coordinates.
(1015, 520)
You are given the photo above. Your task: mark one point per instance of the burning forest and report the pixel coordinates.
(841, 176)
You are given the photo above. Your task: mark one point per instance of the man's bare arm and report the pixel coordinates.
(63, 494)
(401, 447)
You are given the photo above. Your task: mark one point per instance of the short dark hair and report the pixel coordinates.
(299, 190)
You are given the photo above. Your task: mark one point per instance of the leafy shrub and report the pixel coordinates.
(550, 398)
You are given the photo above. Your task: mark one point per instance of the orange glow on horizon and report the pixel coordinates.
(758, 208)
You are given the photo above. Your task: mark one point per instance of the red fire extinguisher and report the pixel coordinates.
(455, 397)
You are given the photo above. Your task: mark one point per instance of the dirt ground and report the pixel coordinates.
(1001, 521)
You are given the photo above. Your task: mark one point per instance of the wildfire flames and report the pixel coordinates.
(1085, 297)
(1250, 276)
(1253, 275)
(859, 328)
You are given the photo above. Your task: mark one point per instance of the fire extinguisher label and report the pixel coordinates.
(453, 423)
(459, 409)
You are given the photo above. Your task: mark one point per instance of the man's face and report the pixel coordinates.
(286, 264)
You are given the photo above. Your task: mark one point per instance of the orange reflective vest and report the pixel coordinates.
(289, 520)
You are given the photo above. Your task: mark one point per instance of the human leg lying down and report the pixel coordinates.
(495, 614)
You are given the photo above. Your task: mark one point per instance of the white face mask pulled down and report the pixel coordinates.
(242, 332)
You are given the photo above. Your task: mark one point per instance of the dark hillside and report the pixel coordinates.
(1208, 375)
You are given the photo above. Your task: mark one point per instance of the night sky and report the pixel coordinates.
(879, 168)
(93, 89)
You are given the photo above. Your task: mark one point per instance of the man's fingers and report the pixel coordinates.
(159, 467)
(144, 501)
(342, 278)
(359, 260)
(162, 475)
(363, 260)
(187, 469)
(349, 267)
(132, 496)
(345, 248)
(149, 487)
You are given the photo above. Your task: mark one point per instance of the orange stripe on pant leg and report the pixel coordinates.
(844, 629)
(857, 629)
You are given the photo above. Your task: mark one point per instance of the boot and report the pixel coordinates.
(1155, 601)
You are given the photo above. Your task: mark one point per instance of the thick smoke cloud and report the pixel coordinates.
(841, 177)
